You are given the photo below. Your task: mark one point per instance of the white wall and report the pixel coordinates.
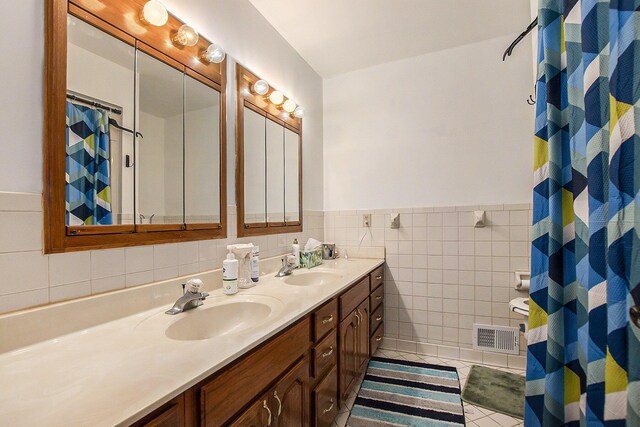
(443, 129)
(235, 24)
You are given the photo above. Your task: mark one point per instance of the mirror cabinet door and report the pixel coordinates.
(275, 173)
(202, 153)
(291, 176)
(100, 101)
(159, 159)
(255, 202)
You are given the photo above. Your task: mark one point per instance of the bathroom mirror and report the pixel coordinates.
(255, 167)
(141, 158)
(268, 173)
(291, 176)
(99, 104)
(159, 156)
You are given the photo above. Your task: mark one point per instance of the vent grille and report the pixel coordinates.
(499, 339)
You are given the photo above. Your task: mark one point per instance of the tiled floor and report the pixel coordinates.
(474, 416)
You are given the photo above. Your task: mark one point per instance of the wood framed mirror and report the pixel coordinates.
(268, 162)
(135, 130)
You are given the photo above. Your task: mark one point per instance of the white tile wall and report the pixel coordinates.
(443, 274)
(28, 278)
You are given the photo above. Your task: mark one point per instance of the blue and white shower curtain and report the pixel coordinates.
(88, 190)
(583, 360)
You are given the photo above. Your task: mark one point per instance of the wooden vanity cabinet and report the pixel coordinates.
(299, 378)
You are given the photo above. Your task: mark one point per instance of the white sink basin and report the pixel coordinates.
(218, 316)
(312, 277)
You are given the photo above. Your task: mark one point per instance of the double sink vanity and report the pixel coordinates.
(284, 353)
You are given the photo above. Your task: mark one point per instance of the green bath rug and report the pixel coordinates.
(495, 390)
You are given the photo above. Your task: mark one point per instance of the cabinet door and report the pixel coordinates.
(349, 359)
(257, 415)
(325, 396)
(363, 336)
(290, 397)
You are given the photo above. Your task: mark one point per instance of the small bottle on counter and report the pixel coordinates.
(230, 274)
(295, 251)
(255, 264)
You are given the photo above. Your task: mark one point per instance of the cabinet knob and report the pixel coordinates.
(378, 277)
(275, 395)
(378, 338)
(378, 317)
(330, 408)
(265, 406)
(327, 320)
(634, 313)
(378, 297)
(328, 353)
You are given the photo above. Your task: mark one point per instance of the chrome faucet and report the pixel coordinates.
(191, 298)
(288, 265)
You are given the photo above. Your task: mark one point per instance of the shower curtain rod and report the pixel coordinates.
(94, 103)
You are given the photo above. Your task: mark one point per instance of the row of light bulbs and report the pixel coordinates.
(261, 87)
(154, 13)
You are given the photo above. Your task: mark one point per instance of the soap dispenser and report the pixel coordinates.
(295, 251)
(230, 274)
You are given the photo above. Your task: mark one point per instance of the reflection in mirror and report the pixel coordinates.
(202, 153)
(159, 161)
(100, 101)
(254, 167)
(275, 172)
(291, 177)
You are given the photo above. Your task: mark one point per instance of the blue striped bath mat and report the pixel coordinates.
(402, 393)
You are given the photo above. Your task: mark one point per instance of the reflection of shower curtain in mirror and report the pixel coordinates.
(88, 190)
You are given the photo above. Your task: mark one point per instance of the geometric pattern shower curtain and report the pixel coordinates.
(88, 190)
(583, 358)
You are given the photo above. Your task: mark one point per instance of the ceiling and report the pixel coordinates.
(338, 36)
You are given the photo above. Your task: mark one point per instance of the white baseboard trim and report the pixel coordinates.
(456, 353)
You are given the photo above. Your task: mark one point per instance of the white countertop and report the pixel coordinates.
(119, 371)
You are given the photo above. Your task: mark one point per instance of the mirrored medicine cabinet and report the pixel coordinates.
(141, 159)
(268, 163)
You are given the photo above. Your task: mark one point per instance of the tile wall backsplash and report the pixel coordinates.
(443, 274)
(29, 278)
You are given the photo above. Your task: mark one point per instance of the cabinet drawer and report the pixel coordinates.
(353, 297)
(252, 374)
(169, 415)
(325, 399)
(325, 355)
(376, 339)
(377, 317)
(377, 277)
(377, 297)
(324, 319)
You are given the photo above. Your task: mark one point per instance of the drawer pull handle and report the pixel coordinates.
(378, 297)
(327, 320)
(328, 353)
(378, 277)
(378, 338)
(275, 394)
(330, 408)
(378, 317)
(264, 405)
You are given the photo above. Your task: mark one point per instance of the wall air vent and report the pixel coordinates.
(499, 339)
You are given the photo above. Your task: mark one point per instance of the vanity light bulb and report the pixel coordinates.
(289, 106)
(276, 97)
(214, 53)
(261, 87)
(186, 36)
(154, 13)
(298, 112)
